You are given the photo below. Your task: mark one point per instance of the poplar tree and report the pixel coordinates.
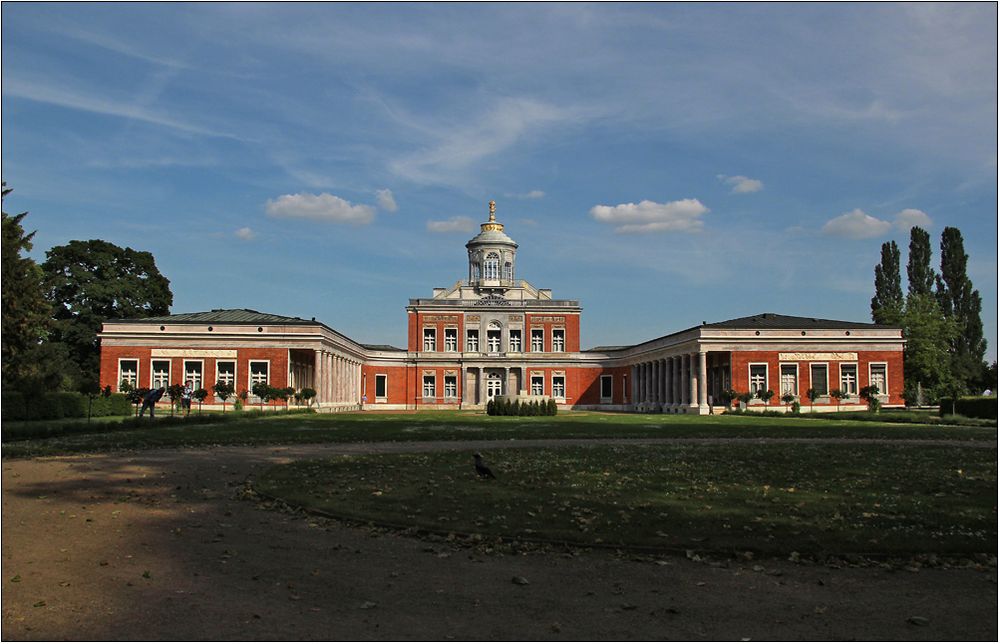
(919, 274)
(887, 305)
(964, 305)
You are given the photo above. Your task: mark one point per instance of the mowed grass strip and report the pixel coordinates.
(451, 425)
(769, 499)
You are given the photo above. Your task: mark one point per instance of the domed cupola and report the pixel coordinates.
(491, 255)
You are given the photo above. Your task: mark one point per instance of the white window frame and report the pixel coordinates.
(494, 340)
(885, 370)
(470, 334)
(781, 384)
(537, 379)
(812, 385)
(515, 347)
(767, 375)
(539, 334)
(152, 371)
(849, 394)
(508, 271)
(433, 386)
(607, 377)
(250, 381)
(451, 341)
(385, 387)
(200, 381)
(430, 338)
(134, 381)
(559, 385)
(217, 370)
(451, 379)
(561, 333)
(491, 269)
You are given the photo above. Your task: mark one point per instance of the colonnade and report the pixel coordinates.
(337, 378)
(677, 383)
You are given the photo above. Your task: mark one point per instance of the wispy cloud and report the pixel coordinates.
(452, 225)
(682, 216)
(531, 194)
(245, 233)
(321, 207)
(741, 184)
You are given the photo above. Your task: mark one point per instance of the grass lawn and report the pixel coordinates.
(769, 499)
(361, 427)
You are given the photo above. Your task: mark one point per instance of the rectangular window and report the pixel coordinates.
(817, 374)
(538, 339)
(790, 379)
(258, 374)
(493, 340)
(381, 386)
(225, 372)
(192, 372)
(558, 340)
(849, 379)
(877, 378)
(559, 387)
(758, 378)
(607, 388)
(128, 371)
(451, 339)
(537, 385)
(472, 340)
(161, 374)
(429, 386)
(451, 386)
(430, 339)
(515, 340)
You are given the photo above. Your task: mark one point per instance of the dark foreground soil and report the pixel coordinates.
(166, 545)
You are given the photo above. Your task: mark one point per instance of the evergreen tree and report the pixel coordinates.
(919, 273)
(929, 335)
(25, 310)
(958, 300)
(887, 304)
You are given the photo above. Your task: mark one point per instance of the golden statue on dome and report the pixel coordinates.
(492, 223)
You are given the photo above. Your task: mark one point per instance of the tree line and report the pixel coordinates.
(53, 311)
(940, 316)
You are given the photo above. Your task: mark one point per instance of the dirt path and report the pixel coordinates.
(162, 545)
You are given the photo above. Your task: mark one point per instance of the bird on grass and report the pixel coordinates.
(481, 469)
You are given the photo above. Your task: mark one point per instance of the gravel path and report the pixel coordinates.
(164, 545)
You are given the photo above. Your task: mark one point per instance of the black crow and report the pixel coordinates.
(481, 468)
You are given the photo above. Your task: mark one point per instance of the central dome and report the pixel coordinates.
(491, 255)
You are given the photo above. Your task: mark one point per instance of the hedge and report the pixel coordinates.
(61, 404)
(971, 406)
(42, 429)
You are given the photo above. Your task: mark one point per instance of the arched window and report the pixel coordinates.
(491, 267)
(475, 272)
(508, 271)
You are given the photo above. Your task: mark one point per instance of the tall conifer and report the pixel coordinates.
(958, 300)
(919, 273)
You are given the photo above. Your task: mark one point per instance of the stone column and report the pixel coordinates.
(662, 363)
(634, 388)
(645, 382)
(481, 387)
(702, 382)
(317, 382)
(506, 381)
(668, 383)
(693, 373)
(685, 392)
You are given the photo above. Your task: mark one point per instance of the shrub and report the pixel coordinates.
(870, 394)
(971, 406)
(491, 408)
(55, 405)
(308, 393)
(796, 407)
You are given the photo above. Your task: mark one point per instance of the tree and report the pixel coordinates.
(887, 304)
(200, 395)
(812, 394)
(308, 394)
(871, 394)
(959, 301)
(788, 398)
(263, 392)
(93, 281)
(26, 312)
(929, 335)
(765, 396)
(919, 274)
(175, 391)
(223, 391)
(837, 394)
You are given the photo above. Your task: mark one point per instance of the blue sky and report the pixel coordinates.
(664, 164)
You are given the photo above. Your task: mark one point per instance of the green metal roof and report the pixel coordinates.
(220, 316)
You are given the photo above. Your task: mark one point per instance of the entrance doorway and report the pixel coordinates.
(494, 385)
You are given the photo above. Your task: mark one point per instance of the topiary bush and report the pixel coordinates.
(970, 406)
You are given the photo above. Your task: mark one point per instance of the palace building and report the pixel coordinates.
(493, 334)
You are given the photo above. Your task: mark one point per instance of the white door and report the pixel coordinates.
(494, 385)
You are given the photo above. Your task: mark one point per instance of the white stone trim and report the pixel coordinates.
(193, 353)
(137, 372)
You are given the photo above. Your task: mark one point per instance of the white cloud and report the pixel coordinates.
(321, 207)
(452, 225)
(910, 217)
(648, 216)
(245, 233)
(856, 225)
(742, 184)
(533, 194)
(385, 200)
